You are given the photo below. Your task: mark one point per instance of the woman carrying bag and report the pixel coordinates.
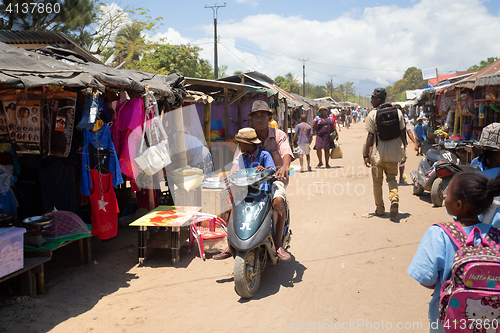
(323, 125)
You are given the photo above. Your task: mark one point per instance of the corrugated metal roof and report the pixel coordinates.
(30, 40)
(488, 70)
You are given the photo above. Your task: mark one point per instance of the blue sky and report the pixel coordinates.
(368, 42)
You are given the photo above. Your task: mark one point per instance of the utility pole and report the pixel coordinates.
(216, 63)
(304, 76)
(331, 83)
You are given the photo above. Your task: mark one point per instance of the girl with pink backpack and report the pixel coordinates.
(460, 260)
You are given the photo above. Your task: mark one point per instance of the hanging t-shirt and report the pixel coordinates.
(104, 206)
(100, 139)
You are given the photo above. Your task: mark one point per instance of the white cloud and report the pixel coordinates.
(172, 37)
(448, 34)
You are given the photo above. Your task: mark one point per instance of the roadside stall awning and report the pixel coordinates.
(470, 82)
(169, 86)
(26, 69)
(488, 80)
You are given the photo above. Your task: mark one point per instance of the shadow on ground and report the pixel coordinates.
(66, 295)
(283, 274)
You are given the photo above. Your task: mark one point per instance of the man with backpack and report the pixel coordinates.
(385, 146)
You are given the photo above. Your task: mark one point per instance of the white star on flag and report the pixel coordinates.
(102, 204)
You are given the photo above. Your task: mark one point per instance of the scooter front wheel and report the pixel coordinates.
(246, 277)
(437, 192)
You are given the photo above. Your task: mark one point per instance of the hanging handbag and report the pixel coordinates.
(155, 157)
(333, 133)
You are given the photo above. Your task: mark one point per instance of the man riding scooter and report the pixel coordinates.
(275, 141)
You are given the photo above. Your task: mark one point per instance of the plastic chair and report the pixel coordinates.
(203, 228)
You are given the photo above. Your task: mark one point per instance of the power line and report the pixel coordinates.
(237, 56)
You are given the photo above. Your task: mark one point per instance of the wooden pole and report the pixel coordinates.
(285, 122)
(207, 118)
(226, 112)
(239, 113)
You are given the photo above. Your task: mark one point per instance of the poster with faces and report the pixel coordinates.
(28, 117)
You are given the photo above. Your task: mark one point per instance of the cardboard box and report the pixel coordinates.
(11, 250)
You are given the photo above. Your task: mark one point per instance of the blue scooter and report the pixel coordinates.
(250, 229)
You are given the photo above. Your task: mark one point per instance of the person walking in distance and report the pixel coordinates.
(323, 124)
(303, 137)
(385, 145)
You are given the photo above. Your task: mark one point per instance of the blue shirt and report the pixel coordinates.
(99, 139)
(433, 261)
(262, 158)
(420, 132)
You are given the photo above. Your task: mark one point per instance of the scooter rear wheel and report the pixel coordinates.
(246, 281)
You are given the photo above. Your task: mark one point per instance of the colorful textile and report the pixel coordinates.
(129, 117)
(104, 206)
(100, 139)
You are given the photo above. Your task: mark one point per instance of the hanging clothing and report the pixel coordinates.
(8, 201)
(130, 117)
(104, 205)
(100, 139)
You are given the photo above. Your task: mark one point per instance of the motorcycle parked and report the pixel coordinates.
(250, 229)
(445, 172)
(426, 178)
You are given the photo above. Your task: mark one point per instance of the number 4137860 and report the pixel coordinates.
(33, 7)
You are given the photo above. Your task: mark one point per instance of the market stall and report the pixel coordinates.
(70, 133)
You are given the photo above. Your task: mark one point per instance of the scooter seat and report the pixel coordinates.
(432, 156)
(474, 168)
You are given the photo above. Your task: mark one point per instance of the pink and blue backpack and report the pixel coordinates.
(470, 299)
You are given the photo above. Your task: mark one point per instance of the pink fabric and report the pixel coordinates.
(130, 118)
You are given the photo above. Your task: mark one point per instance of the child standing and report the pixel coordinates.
(420, 130)
(303, 137)
(469, 194)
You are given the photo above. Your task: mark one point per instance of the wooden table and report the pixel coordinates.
(168, 219)
(32, 278)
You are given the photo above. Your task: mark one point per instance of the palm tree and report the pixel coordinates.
(128, 43)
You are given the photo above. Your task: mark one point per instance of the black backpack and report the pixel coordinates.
(387, 122)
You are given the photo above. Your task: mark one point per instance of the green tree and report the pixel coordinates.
(288, 83)
(112, 20)
(345, 91)
(412, 79)
(129, 45)
(313, 91)
(167, 59)
(70, 17)
(483, 64)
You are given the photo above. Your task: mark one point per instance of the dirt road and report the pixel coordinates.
(348, 271)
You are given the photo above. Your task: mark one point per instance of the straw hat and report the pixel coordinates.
(490, 138)
(247, 135)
